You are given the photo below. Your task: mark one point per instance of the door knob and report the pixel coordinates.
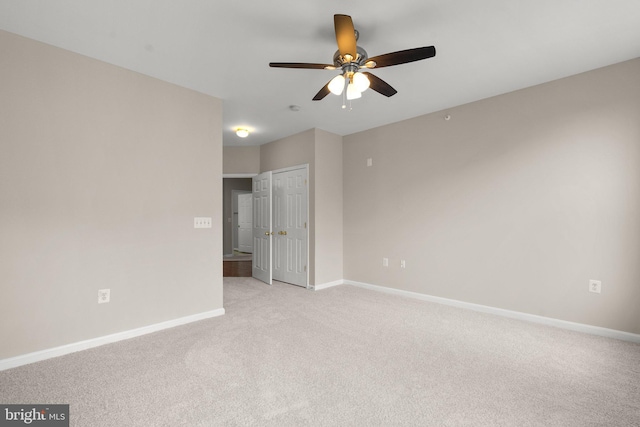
(266, 233)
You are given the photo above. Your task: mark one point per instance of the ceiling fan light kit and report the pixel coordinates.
(361, 82)
(336, 85)
(353, 92)
(351, 58)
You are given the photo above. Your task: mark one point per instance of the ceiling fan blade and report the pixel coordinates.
(380, 86)
(322, 93)
(300, 65)
(345, 35)
(403, 56)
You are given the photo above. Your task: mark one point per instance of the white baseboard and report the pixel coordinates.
(579, 327)
(38, 356)
(327, 285)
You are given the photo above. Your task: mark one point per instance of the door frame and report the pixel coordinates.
(224, 219)
(309, 225)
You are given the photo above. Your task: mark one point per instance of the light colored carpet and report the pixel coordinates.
(285, 356)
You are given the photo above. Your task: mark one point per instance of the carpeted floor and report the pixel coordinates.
(344, 356)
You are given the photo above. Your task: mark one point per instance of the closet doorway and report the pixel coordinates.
(281, 226)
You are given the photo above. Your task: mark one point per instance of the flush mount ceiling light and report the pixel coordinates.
(242, 133)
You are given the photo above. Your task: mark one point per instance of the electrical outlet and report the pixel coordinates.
(202, 222)
(369, 162)
(595, 286)
(403, 264)
(385, 262)
(104, 296)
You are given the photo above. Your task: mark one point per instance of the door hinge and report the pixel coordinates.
(305, 225)
(305, 182)
(305, 268)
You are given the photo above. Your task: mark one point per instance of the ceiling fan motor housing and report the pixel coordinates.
(359, 60)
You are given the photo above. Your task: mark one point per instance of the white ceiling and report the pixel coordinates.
(222, 48)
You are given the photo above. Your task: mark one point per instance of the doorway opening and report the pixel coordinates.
(266, 225)
(237, 227)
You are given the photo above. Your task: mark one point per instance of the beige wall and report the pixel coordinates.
(293, 150)
(241, 160)
(328, 207)
(101, 173)
(516, 202)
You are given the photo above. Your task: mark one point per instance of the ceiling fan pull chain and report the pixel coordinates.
(344, 94)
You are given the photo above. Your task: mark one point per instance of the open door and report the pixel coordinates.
(262, 227)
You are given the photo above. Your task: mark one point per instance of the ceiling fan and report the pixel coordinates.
(350, 58)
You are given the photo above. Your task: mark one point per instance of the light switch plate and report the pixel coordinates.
(202, 222)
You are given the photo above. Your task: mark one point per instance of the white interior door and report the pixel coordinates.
(262, 227)
(290, 227)
(245, 221)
